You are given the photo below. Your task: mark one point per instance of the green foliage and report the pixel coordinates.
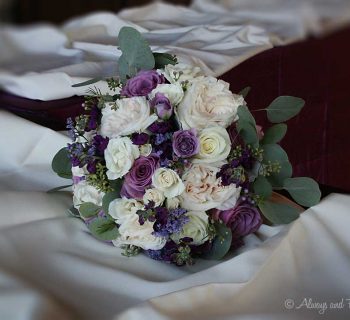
(136, 53)
(61, 164)
(279, 213)
(246, 126)
(104, 229)
(274, 134)
(221, 243)
(88, 209)
(59, 188)
(304, 191)
(108, 198)
(87, 83)
(284, 108)
(99, 179)
(245, 92)
(163, 59)
(262, 187)
(73, 212)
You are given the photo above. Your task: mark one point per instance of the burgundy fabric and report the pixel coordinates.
(318, 70)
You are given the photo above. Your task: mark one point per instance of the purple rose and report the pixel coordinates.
(243, 219)
(139, 177)
(185, 143)
(139, 138)
(142, 84)
(162, 106)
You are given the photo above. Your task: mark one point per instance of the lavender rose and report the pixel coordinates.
(142, 84)
(139, 177)
(162, 106)
(243, 219)
(185, 143)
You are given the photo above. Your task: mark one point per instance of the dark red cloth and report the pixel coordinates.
(317, 70)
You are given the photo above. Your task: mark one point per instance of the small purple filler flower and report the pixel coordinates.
(185, 143)
(139, 177)
(142, 84)
(162, 106)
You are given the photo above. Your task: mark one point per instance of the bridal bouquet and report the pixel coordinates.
(171, 163)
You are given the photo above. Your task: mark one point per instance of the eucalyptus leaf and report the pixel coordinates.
(245, 115)
(275, 133)
(279, 213)
(303, 190)
(116, 185)
(61, 164)
(59, 188)
(163, 59)
(262, 187)
(86, 83)
(284, 108)
(73, 212)
(245, 92)
(221, 244)
(108, 198)
(104, 229)
(89, 209)
(248, 133)
(136, 53)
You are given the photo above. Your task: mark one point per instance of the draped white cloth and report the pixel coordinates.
(42, 61)
(52, 268)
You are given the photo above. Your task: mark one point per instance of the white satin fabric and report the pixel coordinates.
(43, 61)
(52, 268)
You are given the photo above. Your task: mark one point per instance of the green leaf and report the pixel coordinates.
(284, 108)
(279, 213)
(221, 243)
(86, 83)
(245, 115)
(163, 59)
(136, 53)
(73, 212)
(246, 126)
(104, 229)
(304, 191)
(61, 164)
(116, 185)
(108, 198)
(262, 187)
(58, 188)
(274, 134)
(244, 92)
(88, 209)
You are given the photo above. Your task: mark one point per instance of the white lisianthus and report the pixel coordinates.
(173, 92)
(181, 72)
(154, 195)
(86, 137)
(203, 191)
(120, 155)
(172, 203)
(145, 149)
(126, 116)
(133, 233)
(83, 192)
(196, 228)
(79, 172)
(208, 102)
(215, 145)
(123, 209)
(168, 181)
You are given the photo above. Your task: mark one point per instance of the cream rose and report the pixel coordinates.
(120, 155)
(83, 192)
(154, 195)
(208, 102)
(215, 146)
(173, 92)
(123, 209)
(126, 116)
(196, 228)
(132, 233)
(203, 191)
(168, 181)
(172, 203)
(181, 72)
(145, 149)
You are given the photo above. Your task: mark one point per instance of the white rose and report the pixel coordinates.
(181, 72)
(120, 155)
(196, 228)
(172, 203)
(123, 209)
(168, 181)
(82, 192)
(215, 146)
(132, 233)
(154, 195)
(145, 149)
(126, 116)
(203, 191)
(208, 102)
(173, 92)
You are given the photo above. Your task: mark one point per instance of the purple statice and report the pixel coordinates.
(165, 254)
(100, 144)
(76, 153)
(139, 138)
(228, 173)
(92, 123)
(247, 159)
(71, 129)
(160, 138)
(91, 167)
(169, 222)
(161, 127)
